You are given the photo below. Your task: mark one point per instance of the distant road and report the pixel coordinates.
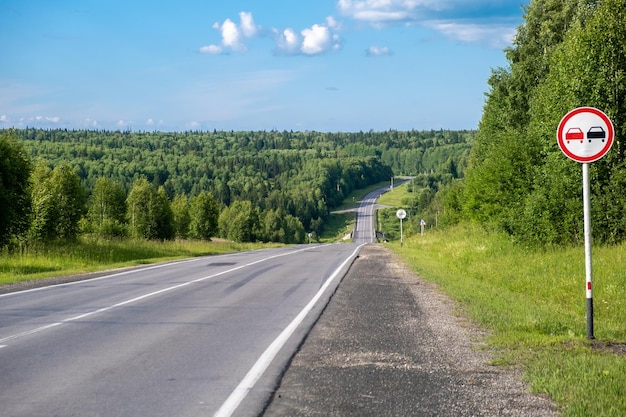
(203, 337)
(365, 231)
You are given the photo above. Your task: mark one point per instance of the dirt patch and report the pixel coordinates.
(615, 348)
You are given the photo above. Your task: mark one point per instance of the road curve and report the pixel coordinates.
(365, 230)
(208, 336)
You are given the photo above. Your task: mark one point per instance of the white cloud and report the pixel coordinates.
(378, 51)
(248, 27)
(4, 118)
(493, 22)
(233, 35)
(289, 41)
(211, 49)
(332, 23)
(379, 11)
(497, 36)
(316, 40)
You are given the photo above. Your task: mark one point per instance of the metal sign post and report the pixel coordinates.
(585, 135)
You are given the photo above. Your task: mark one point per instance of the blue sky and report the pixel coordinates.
(322, 65)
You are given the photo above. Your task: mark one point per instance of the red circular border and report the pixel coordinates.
(585, 159)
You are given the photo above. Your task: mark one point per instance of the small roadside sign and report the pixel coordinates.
(401, 214)
(585, 134)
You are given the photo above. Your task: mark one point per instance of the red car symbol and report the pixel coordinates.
(574, 133)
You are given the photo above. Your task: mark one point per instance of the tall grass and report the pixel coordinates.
(533, 303)
(89, 255)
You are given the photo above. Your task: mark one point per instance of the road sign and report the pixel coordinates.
(585, 134)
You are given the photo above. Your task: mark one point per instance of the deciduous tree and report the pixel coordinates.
(15, 170)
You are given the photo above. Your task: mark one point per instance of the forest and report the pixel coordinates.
(243, 186)
(567, 54)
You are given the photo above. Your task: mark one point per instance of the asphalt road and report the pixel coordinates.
(390, 344)
(204, 337)
(365, 231)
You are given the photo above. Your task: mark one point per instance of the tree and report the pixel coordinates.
(15, 199)
(182, 219)
(204, 215)
(164, 217)
(240, 222)
(508, 156)
(107, 208)
(587, 69)
(140, 222)
(282, 227)
(149, 212)
(58, 203)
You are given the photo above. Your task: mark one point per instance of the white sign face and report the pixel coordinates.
(401, 214)
(585, 134)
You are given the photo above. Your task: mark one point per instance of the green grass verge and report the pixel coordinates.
(533, 304)
(89, 255)
(396, 197)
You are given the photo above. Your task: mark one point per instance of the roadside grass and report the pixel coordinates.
(397, 197)
(338, 226)
(532, 302)
(386, 220)
(89, 255)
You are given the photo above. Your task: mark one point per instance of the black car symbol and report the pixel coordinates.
(596, 132)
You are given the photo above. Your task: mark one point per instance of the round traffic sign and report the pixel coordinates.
(401, 214)
(585, 134)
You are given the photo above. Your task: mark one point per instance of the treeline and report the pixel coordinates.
(566, 54)
(237, 165)
(244, 186)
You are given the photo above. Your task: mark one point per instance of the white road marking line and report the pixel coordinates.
(143, 297)
(254, 374)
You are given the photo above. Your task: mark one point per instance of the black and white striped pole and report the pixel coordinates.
(585, 135)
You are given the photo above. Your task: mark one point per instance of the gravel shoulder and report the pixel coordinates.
(389, 344)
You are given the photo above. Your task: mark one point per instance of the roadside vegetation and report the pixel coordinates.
(532, 304)
(89, 253)
(86, 254)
